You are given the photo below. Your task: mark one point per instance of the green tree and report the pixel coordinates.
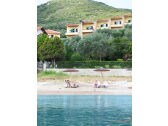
(71, 45)
(108, 32)
(94, 46)
(120, 48)
(128, 32)
(40, 40)
(76, 57)
(52, 49)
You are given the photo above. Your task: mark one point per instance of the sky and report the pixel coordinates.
(127, 4)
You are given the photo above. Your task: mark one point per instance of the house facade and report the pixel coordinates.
(72, 30)
(50, 33)
(87, 27)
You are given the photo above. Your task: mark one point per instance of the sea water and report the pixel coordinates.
(84, 110)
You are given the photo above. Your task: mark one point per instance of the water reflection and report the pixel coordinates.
(87, 110)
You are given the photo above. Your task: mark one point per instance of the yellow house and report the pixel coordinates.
(72, 30)
(117, 22)
(103, 24)
(127, 19)
(52, 33)
(87, 27)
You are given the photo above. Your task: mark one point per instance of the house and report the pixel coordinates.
(87, 27)
(127, 19)
(52, 33)
(103, 24)
(117, 22)
(72, 30)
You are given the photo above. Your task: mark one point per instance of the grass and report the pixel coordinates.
(60, 76)
(51, 75)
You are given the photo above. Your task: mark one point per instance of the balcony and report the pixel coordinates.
(117, 26)
(72, 33)
(86, 31)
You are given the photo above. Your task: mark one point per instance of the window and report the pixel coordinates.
(117, 22)
(104, 25)
(52, 36)
(89, 28)
(74, 30)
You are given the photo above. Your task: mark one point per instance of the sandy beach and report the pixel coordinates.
(85, 88)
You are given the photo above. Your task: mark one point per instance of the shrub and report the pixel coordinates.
(120, 60)
(76, 57)
(116, 67)
(107, 66)
(97, 67)
(93, 64)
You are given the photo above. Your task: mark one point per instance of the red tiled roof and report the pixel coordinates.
(102, 20)
(87, 22)
(128, 15)
(52, 32)
(117, 17)
(72, 25)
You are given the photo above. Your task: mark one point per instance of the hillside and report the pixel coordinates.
(56, 14)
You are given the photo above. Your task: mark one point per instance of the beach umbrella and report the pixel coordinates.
(70, 70)
(101, 70)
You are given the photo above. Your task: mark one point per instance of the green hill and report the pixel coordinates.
(56, 14)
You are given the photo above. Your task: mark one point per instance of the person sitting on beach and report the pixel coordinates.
(74, 85)
(68, 83)
(98, 84)
(105, 84)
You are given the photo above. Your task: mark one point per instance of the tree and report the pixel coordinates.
(128, 32)
(120, 48)
(76, 57)
(40, 40)
(108, 32)
(94, 46)
(52, 49)
(71, 45)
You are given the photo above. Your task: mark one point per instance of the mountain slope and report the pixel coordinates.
(56, 14)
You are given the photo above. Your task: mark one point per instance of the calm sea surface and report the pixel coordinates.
(84, 110)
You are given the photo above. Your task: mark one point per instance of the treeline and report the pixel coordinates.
(102, 45)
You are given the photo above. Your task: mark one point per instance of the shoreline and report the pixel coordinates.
(82, 93)
(58, 88)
